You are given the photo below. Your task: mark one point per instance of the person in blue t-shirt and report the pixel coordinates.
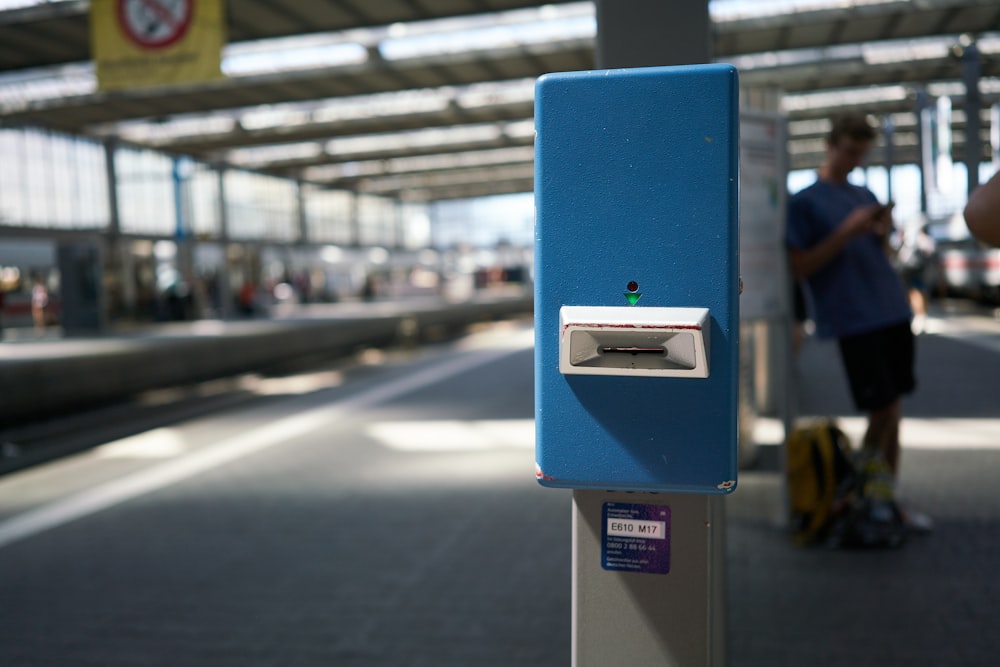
(837, 240)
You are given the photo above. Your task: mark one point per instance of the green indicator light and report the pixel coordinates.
(632, 297)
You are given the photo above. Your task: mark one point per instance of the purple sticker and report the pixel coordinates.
(636, 538)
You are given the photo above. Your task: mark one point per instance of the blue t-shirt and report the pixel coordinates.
(858, 291)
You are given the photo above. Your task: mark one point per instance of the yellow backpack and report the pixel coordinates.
(820, 476)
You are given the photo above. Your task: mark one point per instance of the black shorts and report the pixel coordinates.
(879, 365)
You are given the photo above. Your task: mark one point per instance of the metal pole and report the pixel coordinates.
(354, 222)
(643, 33)
(301, 218)
(995, 135)
(226, 301)
(924, 142)
(119, 256)
(183, 237)
(651, 618)
(888, 130)
(971, 69)
(631, 618)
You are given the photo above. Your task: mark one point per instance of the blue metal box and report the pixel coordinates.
(636, 266)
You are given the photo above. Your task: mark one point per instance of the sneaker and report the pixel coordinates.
(917, 522)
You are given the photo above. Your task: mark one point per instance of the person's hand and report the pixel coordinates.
(868, 218)
(883, 220)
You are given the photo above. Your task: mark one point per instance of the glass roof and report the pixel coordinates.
(398, 43)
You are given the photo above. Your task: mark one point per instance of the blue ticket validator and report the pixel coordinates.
(636, 279)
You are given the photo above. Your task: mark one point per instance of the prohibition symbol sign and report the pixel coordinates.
(154, 24)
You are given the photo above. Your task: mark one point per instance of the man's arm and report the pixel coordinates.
(982, 213)
(862, 220)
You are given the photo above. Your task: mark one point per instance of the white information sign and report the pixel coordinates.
(650, 530)
(763, 174)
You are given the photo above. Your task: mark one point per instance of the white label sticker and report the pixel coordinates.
(648, 530)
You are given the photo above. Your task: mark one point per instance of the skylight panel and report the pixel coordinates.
(7, 5)
(418, 163)
(176, 128)
(854, 97)
(438, 136)
(274, 115)
(239, 61)
(496, 94)
(904, 51)
(261, 155)
(723, 11)
(382, 105)
(526, 28)
(19, 90)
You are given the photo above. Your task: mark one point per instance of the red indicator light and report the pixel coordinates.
(633, 286)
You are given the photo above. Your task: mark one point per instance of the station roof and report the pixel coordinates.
(434, 100)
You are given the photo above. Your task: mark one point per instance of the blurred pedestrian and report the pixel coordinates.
(837, 239)
(39, 303)
(914, 257)
(247, 299)
(982, 212)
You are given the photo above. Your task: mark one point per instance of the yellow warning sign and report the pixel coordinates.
(149, 43)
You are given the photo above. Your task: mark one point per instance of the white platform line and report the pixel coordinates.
(938, 433)
(275, 434)
(978, 331)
